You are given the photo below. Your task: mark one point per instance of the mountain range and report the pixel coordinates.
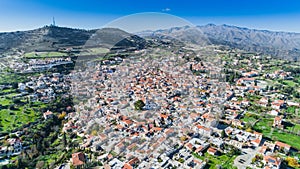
(278, 44)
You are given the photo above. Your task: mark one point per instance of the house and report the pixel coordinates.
(212, 151)
(289, 103)
(274, 113)
(271, 162)
(120, 147)
(201, 149)
(203, 130)
(115, 163)
(282, 146)
(209, 119)
(78, 159)
(127, 166)
(258, 135)
(131, 163)
(235, 143)
(245, 81)
(48, 114)
(277, 104)
(194, 163)
(189, 146)
(237, 122)
(250, 74)
(256, 142)
(278, 122)
(16, 143)
(263, 101)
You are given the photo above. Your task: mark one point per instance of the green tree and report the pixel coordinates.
(138, 105)
(64, 139)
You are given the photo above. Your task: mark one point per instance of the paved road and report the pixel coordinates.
(63, 166)
(247, 156)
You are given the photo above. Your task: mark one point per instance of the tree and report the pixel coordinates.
(138, 105)
(94, 132)
(40, 164)
(17, 101)
(62, 115)
(12, 107)
(64, 139)
(292, 162)
(183, 138)
(223, 134)
(249, 129)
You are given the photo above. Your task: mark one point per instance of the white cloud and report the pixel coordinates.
(166, 9)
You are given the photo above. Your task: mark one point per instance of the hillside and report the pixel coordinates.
(279, 44)
(51, 38)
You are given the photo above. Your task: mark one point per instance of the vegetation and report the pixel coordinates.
(292, 162)
(34, 55)
(264, 126)
(138, 105)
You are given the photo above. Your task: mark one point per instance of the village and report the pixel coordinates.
(158, 114)
(169, 112)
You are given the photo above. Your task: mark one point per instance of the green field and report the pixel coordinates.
(224, 160)
(93, 51)
(6, 78)
(295, 128)
(290, 139)
(265, 126)
(289, 83)
(44, 54)
(22, 114)
(249, 117)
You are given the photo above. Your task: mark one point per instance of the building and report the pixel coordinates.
(282, 146)
(212, 151)
(48, 114)
(271, 162)
(278, 122)
(78, 159)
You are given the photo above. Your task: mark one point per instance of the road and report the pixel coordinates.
(64, 166)
(246, 156)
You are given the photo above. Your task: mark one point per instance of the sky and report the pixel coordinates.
(276, 15)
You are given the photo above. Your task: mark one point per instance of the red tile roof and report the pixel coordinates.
(281, 144)
(127, 166)
(78, 159)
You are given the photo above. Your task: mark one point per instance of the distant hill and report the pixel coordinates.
(51, 38)
(279, 44)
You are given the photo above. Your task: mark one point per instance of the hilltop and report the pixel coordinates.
(51, 38)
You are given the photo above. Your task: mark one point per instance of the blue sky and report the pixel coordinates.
(29, 14)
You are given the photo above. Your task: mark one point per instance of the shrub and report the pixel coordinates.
(138, 105)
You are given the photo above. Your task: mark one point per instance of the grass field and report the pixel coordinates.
(289, 83)
(44, 54)
(295, 128)
(224, 160)
(290, 139)
(265, 126)
(249, 117)
(93, 51)
(22, 114)
(11, 78)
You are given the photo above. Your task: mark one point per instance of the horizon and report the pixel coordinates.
(21, 15)
(80, 28)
